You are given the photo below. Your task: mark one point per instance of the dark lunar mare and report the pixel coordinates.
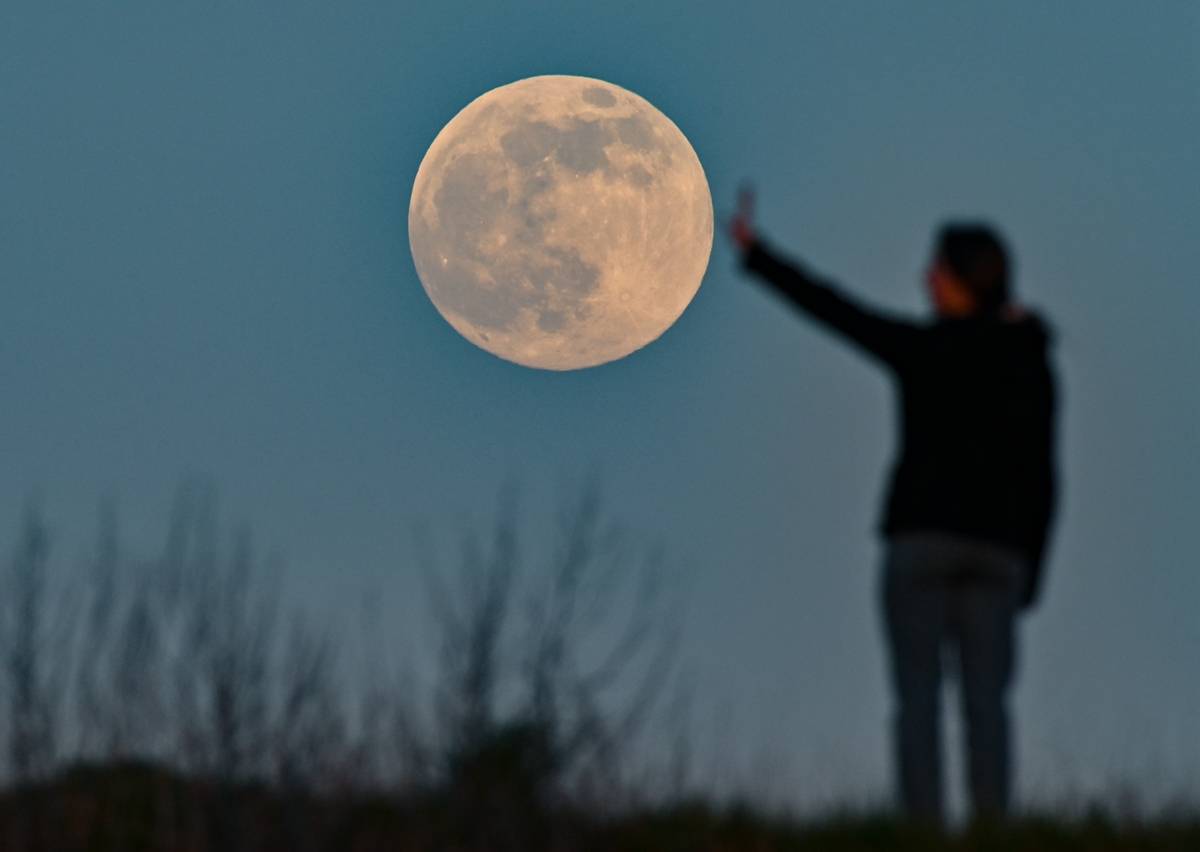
(468, 207)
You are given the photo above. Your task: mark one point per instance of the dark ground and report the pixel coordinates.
(134, 807)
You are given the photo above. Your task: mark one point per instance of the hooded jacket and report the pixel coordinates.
(977, 402)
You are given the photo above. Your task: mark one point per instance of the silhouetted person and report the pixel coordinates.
(970, 499)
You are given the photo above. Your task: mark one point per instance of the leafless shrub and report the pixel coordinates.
(222, 686)
(182, 666)
(584, 667)
(100, 588)
(32, 685)
(472, 619)
(600, 644)
(309, 726)
(179, 660)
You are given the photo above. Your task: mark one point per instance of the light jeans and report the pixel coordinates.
(940, 592)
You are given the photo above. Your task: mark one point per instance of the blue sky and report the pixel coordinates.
(205, 270)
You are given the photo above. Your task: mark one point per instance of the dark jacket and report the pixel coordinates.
(977, 414)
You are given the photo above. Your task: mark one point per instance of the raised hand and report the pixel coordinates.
(741, 225)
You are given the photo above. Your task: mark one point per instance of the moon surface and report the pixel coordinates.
(560, 222)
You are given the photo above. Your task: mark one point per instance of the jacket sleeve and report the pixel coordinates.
(1045, 504)
(888, 339)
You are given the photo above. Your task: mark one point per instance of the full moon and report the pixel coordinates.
(560, 222)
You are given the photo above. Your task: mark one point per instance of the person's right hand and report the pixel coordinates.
(741, 225)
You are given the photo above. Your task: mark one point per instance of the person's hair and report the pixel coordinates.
(977, 256)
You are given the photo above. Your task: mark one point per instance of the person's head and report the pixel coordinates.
(969, 271)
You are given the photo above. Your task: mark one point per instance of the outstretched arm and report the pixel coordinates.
(886, 338)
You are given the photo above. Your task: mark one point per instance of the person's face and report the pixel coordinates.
(947, 295)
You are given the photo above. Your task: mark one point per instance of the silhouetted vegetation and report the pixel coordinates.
(169, 700)
(170, 703)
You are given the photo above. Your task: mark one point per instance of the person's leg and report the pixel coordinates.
(914, 610)
(984, 604)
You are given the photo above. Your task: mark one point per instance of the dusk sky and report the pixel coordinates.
(205, 271)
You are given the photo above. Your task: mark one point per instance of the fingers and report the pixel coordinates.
(740, 226)
(746, 200)
(737, 228)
